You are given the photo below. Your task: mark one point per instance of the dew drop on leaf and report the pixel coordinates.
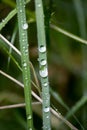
(45, 84)
(44, 73)
(46, 109)
(29, 117)
(20, 11)
(39, 5)
(24, 64)
(25, 26)
(42, 49)
(47, 117)
(43, 62)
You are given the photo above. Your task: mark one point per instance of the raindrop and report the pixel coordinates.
(46, 109)
(30, 128)
(23, 46)
(44, 73)
(29, 117)
(45, 84)
(43, 62)
(26, 51)
(24, 64)
(25, 26)
(3, 20)
(20, 11)
(59, 114)
(42, 48)
(47, 117)
(39, 5)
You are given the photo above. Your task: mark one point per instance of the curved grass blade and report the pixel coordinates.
(56, 28)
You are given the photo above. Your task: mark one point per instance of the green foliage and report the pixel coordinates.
(65, 38)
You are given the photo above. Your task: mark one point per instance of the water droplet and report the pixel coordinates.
(23, 40)
(47, 117)
(30, 128)
(45, 84)
(42, 48)
(25, 26)
(44, 73)
(23, 34)
(39, 5)
(29, 117)
(59, 114)
(3, 20)
(43, 62)
(46, 109)
(23, 46)
(24, 64)
(20, 11)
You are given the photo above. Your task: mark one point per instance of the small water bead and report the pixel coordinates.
(24, 64)
(44, 73)
(23, 47)
(25, 26)
(29, 117)
(45, 84)
(23, 40)
(20, 11)
(42, 49)
(39, 5)
(43, 62)
(26, 51)
(46, 109)
(3, 20)
(47, 117)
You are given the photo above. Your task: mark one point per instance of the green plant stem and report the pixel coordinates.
(43, 64)
(25, 60)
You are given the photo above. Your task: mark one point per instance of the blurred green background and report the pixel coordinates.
(67, 63)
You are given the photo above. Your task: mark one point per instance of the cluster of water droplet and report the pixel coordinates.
(45, 84)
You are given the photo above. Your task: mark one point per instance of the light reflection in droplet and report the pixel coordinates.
(43, 62)
(46, 109)
(42, 49)
(25, 26)
(44, 73)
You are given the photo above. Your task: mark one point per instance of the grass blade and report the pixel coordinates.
(43, 64)
(23, 26)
